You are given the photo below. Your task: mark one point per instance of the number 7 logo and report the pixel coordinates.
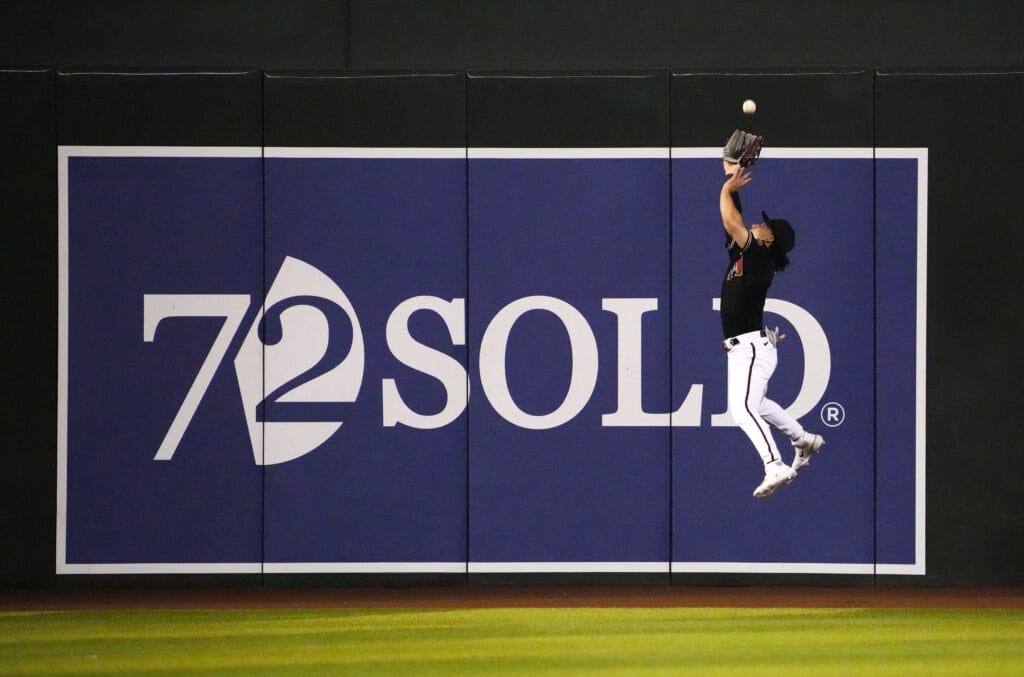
(158, 307)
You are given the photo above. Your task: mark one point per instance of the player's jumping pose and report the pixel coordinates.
(754, 257)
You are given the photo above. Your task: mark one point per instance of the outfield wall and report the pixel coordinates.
(458, 326)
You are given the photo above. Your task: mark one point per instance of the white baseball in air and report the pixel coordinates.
(749, 106)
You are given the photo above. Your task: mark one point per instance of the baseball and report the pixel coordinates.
(749, 106)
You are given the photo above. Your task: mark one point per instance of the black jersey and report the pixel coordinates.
(750, 273)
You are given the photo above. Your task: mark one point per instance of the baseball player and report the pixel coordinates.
(755, 255)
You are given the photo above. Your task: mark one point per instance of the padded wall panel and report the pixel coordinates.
(28, 340)
(160, 180)
(974, 528)
(816, 172)
(568, 219)
(366, 218)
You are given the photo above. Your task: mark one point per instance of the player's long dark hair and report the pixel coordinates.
(785, 239)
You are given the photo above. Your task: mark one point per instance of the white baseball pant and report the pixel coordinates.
(752, 361)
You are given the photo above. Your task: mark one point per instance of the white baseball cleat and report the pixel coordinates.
(806, 447)
(775, 475)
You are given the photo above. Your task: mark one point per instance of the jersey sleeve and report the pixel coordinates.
(733, 249)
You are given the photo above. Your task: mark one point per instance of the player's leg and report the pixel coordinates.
(780, 420)
(747, 385)
(805, 444)
(769, 410)
(748, 381)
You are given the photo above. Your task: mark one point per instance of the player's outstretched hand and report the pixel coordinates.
(738, 179)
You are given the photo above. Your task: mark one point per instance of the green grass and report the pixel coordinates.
(515, 641)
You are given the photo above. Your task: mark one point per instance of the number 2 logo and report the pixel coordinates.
(295, 370)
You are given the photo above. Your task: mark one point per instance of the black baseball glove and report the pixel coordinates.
(743, 148)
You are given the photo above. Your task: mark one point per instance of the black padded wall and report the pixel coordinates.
(28, 337)
(401, 109)
(794, 109)
(567, 109)
(975, 519)
(148, 108)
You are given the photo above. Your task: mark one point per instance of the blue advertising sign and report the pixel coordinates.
(503, 360)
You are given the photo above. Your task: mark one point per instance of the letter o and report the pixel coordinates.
(584, 362)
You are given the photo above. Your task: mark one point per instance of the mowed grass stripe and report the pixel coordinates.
(515, 641)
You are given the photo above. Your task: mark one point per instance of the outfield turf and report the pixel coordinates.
(523, 641)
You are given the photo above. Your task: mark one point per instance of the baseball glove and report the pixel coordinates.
(743, 148)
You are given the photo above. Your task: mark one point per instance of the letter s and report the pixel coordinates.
(424, 359)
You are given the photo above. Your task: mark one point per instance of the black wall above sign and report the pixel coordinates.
(801, 109)
(388, 34)
(152, 108)
(366, 109)
(558, 109)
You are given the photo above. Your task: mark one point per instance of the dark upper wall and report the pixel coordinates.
(174, 34)
(688, 33)
(330, 34)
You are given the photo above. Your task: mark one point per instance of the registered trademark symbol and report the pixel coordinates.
(833, 414)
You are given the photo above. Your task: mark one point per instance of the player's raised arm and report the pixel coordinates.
(732, 220)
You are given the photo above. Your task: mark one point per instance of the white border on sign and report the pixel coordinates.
(64, 567)
(568, 153)
(921, 362)
(784, 153)
(770, 568)
(568, 567)
(366, 153)
(364, 568)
